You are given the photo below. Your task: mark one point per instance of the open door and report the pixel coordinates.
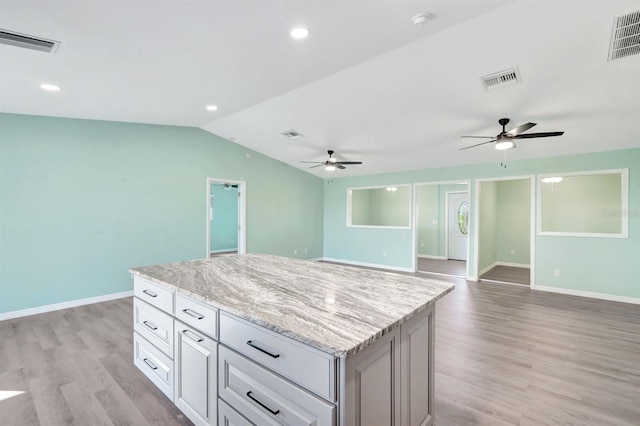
(226, 208)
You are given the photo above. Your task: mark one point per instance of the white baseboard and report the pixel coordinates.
(229, 250)
(589, 294)
(316, 259)
(64, 305)
(428, 256)
(369, 265)
(487, 269)
(514, 265)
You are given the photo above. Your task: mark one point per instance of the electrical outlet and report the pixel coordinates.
(513, 251)
(384, 254)
(295, 252)
(556, 272)
(306, 251)
(421, 244)
(434, 222)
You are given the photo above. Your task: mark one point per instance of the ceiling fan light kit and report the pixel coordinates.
(505, 143)
(505, 139)
(332, 163)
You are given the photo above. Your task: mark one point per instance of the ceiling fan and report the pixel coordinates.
(505, 140)
(331, 163)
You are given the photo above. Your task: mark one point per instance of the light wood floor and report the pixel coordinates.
(508, 274)
(505, 355)
(456, 268)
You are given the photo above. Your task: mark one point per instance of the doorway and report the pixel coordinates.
(226, 212)
(442, 228)
(505, 230)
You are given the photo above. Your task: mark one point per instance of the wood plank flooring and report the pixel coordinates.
(456, 268)
(505, 355)
(508, 274)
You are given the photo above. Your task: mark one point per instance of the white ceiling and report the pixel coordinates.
(366, 83)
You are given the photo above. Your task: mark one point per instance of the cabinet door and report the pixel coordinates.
(417, 369)
(227, 416)
(196, 375)
(372, 384)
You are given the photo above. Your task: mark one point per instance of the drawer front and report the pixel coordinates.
(310, 368)
(227, 416)
(153, 294)
(154, 325)
(266, 399)
(154, 364)
(197, 315)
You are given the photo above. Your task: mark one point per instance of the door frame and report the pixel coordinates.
(415, 221)
(446, 222)
(532, 224)
(242, 213)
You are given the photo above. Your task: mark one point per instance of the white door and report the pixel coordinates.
(458, 225)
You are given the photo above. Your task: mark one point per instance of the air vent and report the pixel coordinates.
(625, 37)
(28, 42)
(501, 79)
(292, 134)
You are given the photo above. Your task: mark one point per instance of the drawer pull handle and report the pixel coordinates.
(150, 364)
(150, 325)
(254, 346)
(274, 412)
(149, 293)
(192, 313)
(197, 338)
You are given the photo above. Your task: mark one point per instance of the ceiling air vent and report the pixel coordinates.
(292, 134)
(501, 79)
(28, 42)
(625, 37)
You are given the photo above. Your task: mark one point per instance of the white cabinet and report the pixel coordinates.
(227, 416)
(157, 366)
(154, 294)
(195, 374)
(154, 325)
(197, 314)
(265, 398)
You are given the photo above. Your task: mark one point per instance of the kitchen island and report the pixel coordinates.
(260, 339)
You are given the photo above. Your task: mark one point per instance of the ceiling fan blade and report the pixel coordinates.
(314, 162)
(317, 165)
(480, 137)
(538, 135)
(521, 128)
(478, 144)
(349, 162)
(340, 166)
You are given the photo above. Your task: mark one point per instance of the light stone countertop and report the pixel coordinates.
(336, 309)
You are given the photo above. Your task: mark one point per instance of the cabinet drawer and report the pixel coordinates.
(304, 365)
(154, 325)
(266, 399)
(227, 416)
(197, 315)
(156, 295)
(154, 364)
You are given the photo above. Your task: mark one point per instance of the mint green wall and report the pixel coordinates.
(360, 207)
(581, 203)
(81, 201)
(390, 208)
(601, 265)
(224, 226)
(487, 225)
(513, 225)
(428, 213)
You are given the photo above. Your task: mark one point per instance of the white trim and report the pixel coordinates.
(487, 269)
(242, 213)
(589, 294)
(229, 250)
(369, 265)
(442, 275)
(513, 265)
(64, 305)
(532, 224)
(349, 202)
(624, 208)
(428, 256)
(316, 259)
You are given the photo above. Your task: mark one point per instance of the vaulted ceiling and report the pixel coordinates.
(366, 82)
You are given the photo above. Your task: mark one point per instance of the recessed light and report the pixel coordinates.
(50, 87)
(212, 108)
(421, 18)
(299, 32)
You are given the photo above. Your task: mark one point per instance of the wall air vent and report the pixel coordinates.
(28, 42)
(292, 134)
(501, 79)
(625, 36)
